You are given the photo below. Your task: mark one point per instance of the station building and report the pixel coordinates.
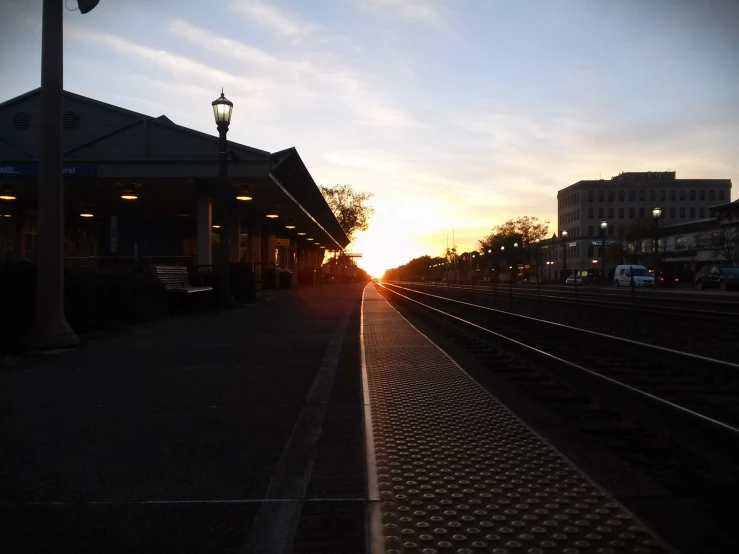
(623, 201)
(142, 188)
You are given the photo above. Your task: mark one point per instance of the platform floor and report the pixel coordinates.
(452, 470)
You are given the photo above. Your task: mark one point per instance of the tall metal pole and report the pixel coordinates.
(656, 252)
(603, 255)
(564, 253)
(224, 262)
(50, 328)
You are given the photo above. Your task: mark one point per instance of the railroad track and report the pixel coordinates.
(673, 415)
(725, 310)
(709, 334)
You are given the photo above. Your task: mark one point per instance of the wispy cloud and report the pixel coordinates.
(277, 20)
(421, 10)
(312, 78)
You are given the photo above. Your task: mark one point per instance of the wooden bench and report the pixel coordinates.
(175, 279)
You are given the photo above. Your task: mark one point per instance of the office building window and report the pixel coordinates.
(590, 196)
(682, 194)
(712, 194)
(673, 195)
(652, 195)
(590, 230)
(681, 243)
(590, 251)
(721, 194)
(682, 212)
(611, 212)
(631, 213)
(692, 194)
(601, 196)
(611, 230)
(641, 212)
(590, 213)
(702, 212)
(600, 213)
(642, 195)
(620, 213)
(702, 194)
(662, 195)
(672, 213)
(611, 196)
(692, 212)
(621, 195)
(632, 195)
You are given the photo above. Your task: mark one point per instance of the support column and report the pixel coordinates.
(235, 231)
(205, 232)
(255, 253)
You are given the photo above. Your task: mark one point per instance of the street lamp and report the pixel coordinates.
(603, 229)
(538, 262)
(50, 327)
(564, 251)
(656, 214)
(222, 110)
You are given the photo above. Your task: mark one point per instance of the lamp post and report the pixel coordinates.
(564, 251)
(50, 327)
(603, 229)
(656, 214)
(222, 109)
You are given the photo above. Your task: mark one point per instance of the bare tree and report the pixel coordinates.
(348, 205)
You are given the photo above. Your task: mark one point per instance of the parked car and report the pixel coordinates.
(667, 281)
(574, 280)
(718, 277)
(640, 274)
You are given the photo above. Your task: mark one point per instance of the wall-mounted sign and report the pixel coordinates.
(600, 242)
(353, 255)
(282, 242)
(31, 170)
(572, 244)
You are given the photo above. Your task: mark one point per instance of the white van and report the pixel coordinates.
(624, 273)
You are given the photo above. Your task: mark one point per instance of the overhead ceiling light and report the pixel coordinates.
(129, 194)
(309, 238)
(86, 211)
(289, 226)
(244, 195)
(6, 193)
(272, 213)
(216, 226)
(5, 211)
(183, 212)
(301, 233)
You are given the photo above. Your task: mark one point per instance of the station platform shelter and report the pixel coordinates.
(144, 190)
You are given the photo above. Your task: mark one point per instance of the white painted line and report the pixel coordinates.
(275, 524)
(377, 545)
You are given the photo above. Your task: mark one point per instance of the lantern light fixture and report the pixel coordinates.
(657, 212)
(222, 108)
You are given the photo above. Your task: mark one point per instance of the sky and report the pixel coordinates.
(457, 114)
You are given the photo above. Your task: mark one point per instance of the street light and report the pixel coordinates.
(50, 327)
(564, 251)
(603, 229)
(222, 110)
(656, 214)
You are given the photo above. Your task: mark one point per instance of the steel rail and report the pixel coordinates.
(628, 388)
(626, 304)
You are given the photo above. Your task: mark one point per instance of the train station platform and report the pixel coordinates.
(235, 431)
(453, 470)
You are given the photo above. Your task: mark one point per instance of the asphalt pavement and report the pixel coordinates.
(233, 431)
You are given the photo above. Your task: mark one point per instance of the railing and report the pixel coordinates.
(124, 263)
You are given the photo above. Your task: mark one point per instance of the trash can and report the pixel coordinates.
(242, 281)
(286, 279)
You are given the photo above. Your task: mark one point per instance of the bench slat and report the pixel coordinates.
(175, 279)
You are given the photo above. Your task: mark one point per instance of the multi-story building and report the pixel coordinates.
(625, 201)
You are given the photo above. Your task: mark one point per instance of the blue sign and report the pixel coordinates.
(31, 170)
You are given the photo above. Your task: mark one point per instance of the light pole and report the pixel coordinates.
(656, 214)
(222, 109)
(603, 229)
(50, 327)
(564, 250)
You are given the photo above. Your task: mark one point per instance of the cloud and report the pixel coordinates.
(312, 79)
(420, 10)
(278, 20)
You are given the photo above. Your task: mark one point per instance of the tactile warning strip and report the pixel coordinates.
(458, 473)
